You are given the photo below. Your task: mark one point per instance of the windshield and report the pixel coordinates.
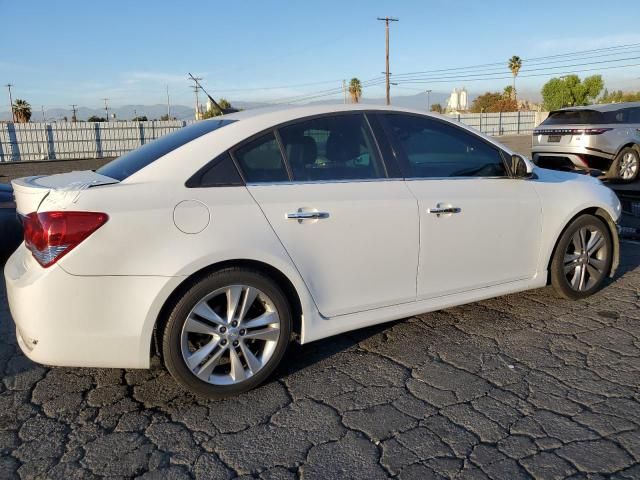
(584, 117)
(129, 163)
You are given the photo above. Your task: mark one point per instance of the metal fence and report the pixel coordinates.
(84, 140)
(502, 123)
(69, 140)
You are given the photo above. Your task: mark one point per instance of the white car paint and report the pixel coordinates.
(379, 256)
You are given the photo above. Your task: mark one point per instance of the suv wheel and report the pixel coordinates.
(582, 259)
(626, 165)
(227, 333)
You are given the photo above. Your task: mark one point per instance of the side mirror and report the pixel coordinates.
(519, 167)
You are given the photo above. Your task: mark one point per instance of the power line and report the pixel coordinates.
(277, 87)
(525, 60)
(324, 93)
(527, 76)
(500, 72)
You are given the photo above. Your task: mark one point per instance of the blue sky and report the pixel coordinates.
(57, 53)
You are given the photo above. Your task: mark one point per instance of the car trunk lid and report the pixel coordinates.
(60, 190)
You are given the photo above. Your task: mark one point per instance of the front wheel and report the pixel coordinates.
(625, 166)
(227, 333)
(582, 259)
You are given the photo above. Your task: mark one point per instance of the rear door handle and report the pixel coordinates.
(444, 210)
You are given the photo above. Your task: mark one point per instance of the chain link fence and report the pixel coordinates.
(502, 123)
(81, 140)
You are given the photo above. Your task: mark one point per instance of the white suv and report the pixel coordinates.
(218, 244)
(601, 137)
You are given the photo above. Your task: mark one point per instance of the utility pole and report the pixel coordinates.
(106, 108)
(168, 105)
(13, 115)
(344, 90)
(73, 108)
(428, 92)
(196, 89)
(42, 108)
(386, 21)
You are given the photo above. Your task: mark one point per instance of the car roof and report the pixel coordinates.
(284, 113)
(605, 107)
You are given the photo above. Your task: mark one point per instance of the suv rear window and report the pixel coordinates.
(586, 117)
(129, 163)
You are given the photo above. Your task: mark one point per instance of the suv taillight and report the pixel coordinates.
(51, 235)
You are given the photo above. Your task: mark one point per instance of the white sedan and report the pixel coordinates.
(217, 245)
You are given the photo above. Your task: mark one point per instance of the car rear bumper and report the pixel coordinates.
(83, 321)
(572, 152)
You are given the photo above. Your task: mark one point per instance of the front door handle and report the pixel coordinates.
(444, 210)
(307, 215)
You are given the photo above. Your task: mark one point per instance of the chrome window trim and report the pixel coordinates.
(315, 182)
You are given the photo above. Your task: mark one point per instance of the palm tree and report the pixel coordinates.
(22, 110)
(355, 90)
(515, 63)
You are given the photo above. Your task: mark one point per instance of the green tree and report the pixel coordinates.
(570, 91)
(213, 111)
(491, 102)
(140, 118)
(515, 64)
(22, 111)
(436, 107)
(618, 96)
(355, 90)
(95, 118)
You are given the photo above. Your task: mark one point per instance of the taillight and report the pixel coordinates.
(595, 131)
(571, 131)
(51, 235)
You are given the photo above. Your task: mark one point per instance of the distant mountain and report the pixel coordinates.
(126, 112)
(182, 112)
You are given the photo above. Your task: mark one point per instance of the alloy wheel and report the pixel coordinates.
(629, 166)
(230, 335)
(585, 258)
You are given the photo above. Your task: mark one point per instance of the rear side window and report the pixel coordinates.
(261, 160)
(434, 149)
(129, 163)
(634, 115)
(330, 148)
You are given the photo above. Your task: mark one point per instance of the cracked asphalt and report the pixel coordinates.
(521, 386)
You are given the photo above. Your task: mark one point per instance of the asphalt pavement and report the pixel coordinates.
(521, 386)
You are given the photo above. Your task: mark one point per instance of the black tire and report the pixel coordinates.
(172, 339)
(562, 280)
(616, 174)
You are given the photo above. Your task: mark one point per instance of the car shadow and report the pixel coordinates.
(300, 357)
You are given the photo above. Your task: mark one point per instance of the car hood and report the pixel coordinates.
(548, 175)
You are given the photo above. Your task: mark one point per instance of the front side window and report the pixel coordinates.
(331, 148)
(435, 149)
(261, 160)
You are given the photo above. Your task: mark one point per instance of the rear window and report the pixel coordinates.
(129, 163)
(586, 117)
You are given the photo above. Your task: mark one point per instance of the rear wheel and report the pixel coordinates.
(626, 166)
(228, 333)
(582, 259)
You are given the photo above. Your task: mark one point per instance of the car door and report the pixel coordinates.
(351, 231)
(478, 226)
